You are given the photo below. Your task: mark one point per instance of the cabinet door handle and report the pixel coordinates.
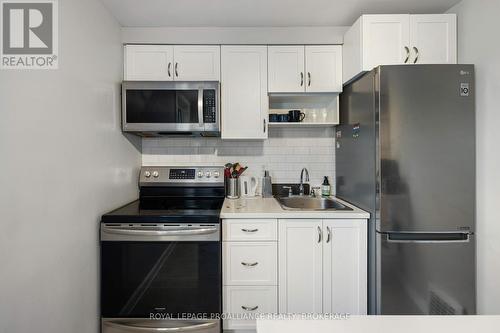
(176, 67)
(301, 79)
(249, 308)
(249, 230)
(407, 49)
(168, 69)
(320, 235)
(329, 234)
(249, 264)
(309, 79)
(417, 54)
(264, 127)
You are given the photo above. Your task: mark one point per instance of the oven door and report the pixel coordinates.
(170, 107)
(160, 272)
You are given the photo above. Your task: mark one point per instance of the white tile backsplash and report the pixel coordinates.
(284, 154)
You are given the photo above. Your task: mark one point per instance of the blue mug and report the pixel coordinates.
(283, 118)
(273, 117)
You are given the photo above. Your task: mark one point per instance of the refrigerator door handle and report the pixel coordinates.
(428, 237)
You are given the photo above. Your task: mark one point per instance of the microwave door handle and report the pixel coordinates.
(133, 327)
(200, 107)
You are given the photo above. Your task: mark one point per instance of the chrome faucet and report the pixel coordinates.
(301, 187)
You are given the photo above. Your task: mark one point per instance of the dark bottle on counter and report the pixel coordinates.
(325, 188)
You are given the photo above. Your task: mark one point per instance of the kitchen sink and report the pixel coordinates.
(310, 203)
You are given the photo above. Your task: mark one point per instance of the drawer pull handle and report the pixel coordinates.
(249, 230)
(249, 308)
(249, 264)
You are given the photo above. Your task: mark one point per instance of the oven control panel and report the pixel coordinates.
(181, 175)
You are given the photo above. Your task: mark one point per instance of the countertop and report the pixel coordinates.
(258, 207)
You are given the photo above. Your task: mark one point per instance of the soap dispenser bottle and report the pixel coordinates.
(325, 187)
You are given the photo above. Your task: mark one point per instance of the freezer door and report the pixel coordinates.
(426, 273)
(426, 148)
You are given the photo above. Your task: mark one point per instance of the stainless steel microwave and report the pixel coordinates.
(171, 108)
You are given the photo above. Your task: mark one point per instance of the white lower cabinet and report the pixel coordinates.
(249, 263)
(322, 266)
(292, 266)
(300, 263)
(345, 267)
(249, 271)
(244, 301)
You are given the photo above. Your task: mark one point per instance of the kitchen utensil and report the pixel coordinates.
(248, 186)
(267, 187)
(296, 116)
(232, 188)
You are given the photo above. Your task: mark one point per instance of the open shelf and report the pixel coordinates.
(320, 109)
(301, 124)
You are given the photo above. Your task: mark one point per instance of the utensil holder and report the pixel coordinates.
(232, 188)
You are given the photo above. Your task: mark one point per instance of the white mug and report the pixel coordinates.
(248, 186)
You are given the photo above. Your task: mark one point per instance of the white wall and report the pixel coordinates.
(478, 27)
(285, 153)
(64, 162)
(234, 35)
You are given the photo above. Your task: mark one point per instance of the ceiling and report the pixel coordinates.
(261, 13)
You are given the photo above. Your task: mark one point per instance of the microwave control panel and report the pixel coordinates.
(209, 106)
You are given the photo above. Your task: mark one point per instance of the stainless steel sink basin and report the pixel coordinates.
(310, 203)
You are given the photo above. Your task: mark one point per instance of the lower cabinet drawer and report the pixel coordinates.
(241, 302)
(250, 263)
(249, 230)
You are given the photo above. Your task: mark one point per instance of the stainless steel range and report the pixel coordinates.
(161, 254)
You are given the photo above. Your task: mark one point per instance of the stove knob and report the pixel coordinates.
(200, 174)
(147, 174)
(208, 174)
(216, 174)
(156, 174)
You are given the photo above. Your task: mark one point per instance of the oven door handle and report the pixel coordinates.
(138, 328)
(159, 232)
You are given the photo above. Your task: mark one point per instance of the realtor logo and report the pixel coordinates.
(29, 34)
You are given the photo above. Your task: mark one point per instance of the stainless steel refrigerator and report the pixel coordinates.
(405, 152)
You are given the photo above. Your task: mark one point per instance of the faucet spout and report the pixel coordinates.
(301, 187)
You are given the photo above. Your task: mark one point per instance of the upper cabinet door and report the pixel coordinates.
(344, 267)
(323, 68)
(300, 246)
(196, 63)
(244, 92)
(148, 63)
(286, 69)
(433, 39)
(386, 40)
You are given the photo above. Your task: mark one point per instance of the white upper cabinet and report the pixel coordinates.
(385, 40)
(244, 101)
(296, 69)
(167, 63)
(148, 63)
(197, 63)
(324, 68)
(433, 39)
(376, 40)
(286, 69)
